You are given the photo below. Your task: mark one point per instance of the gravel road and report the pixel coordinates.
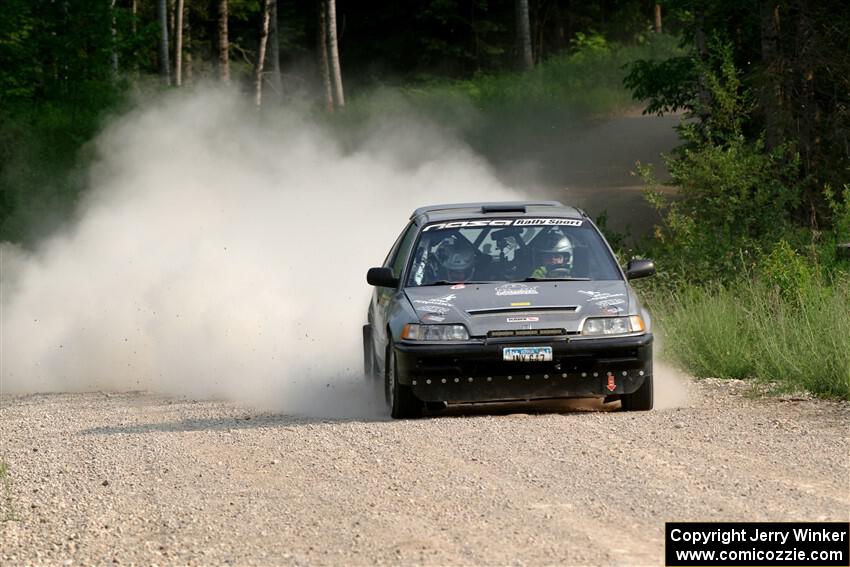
(135, 478)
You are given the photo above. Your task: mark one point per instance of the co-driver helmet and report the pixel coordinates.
(554, 250)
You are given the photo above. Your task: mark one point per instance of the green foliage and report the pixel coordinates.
(730, 103)
(798, 339)
(734, 198)
(57, 82)
(617, 240)
(839, 206)
(666, 86)
(19, 69)
(744, 290)
(786, 270)
(589, 42)
(587, 79)
(797, 73)
(672, 84)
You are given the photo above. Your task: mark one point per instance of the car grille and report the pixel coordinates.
(501, 333)
(525, 309)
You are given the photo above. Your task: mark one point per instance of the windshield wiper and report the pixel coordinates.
(566, 279)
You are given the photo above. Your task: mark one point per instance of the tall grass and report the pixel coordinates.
(587, 79)
(798, 340)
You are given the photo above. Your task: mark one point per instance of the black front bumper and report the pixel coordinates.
(476, 372)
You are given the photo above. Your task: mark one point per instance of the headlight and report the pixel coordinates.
(601, 326)
(413, 332)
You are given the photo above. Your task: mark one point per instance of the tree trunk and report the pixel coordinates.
(133, 32)
(523, 34)
(178, 43)
(113, 47)
(771, 90)
(223, 44)
(188, 56)
(541, 21)
(658, 18)
(333, 49)
(169, 6)
(322, 48)
(703, 94)
(274, 52)
(560, 37)
(261, 52)
(808, 116)
(164, 66)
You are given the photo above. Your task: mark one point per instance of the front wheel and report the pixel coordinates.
(368, 355)
(641, 399)
(402, 402)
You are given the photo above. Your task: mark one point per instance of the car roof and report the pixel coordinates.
(494, 209)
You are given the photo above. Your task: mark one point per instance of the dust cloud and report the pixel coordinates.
(220, 252)
(670, 386)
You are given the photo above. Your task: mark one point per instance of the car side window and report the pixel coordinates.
(388, 261)
(403, 250)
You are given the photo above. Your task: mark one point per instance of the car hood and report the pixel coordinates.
(513, 306)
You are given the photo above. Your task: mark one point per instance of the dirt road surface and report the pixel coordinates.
(139, 479)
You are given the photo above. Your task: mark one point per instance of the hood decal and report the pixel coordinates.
(517, 289)
(605, 300)
(432, 309)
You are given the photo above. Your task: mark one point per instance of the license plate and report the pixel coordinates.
(527, 354)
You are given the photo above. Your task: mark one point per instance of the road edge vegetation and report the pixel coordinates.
(754, 281)
(7, 508)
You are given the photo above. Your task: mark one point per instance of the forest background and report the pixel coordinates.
(752, 244)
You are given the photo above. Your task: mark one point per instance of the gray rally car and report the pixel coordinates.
(483, 302)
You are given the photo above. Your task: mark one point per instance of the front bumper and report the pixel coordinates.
(476, 372)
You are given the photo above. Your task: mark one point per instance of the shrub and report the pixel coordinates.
(735, 198)
(786, 270)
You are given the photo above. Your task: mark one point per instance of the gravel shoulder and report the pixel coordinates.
(135, 478)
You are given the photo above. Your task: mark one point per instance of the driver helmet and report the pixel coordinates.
(555, 250)
(457, 257)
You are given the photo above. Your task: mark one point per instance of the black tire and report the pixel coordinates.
(402, 402)
(369, 369)
(641, 399)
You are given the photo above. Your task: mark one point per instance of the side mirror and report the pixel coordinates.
(843, 250)
(639, 269)
(381, 277)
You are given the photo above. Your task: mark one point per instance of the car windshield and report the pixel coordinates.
(510, 250)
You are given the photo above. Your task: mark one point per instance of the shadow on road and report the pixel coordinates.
(225, 424)
(229, 423)
(535, 407)
(513, 409)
